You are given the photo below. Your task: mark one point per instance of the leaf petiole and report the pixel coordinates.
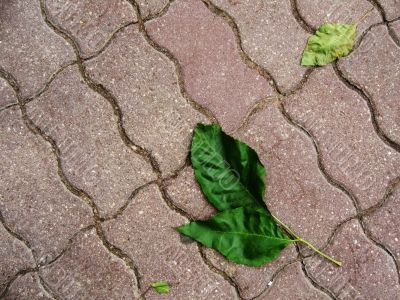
(299, 239)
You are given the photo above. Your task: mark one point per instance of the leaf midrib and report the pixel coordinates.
(251, 234)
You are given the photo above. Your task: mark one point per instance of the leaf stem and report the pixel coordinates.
(299, 239)
(364, 16)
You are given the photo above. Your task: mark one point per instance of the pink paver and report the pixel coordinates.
(340, 122)
(150, 8)
(90, 22)
(27, 287)
(7, 95)
(375, 66)
(271, 37)
(94, 157)
(25, 40)
(391, 8)
(214, 74)
(145, 231)
(367, 272)
(34, 202)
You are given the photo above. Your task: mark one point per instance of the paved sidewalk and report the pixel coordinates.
(98, 100)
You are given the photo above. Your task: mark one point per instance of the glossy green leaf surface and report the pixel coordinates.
(161, 287)
(330, 41)
(228, 171)
(243, 235)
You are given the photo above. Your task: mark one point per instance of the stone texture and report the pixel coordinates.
(351, 151)
(384, 224)
(292, 284)
(27, 287)
(29, 49)
(214, 74)
(252, 281)
(7, 95)
(296, 188)
(14, 256)
(90, 22)
(145, 231)
(89, 271)
(33, 201)
(396, 28)
(316, 13)
(144, 82)
(271, 37)
(391, 7)
(367, 271)
(93, 154)
(149, 8)
(375, 66)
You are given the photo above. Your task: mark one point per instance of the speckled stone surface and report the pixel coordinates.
(150, 8)
(147, 226)
(29, 49)
(90, 22)
(7, 95)
(213, 72)
(368, 272)
(88, 270)
(351, 151)
(391, 8)
(270, 36)
(93, 155)
(27, 287)
(34, 202)
(376, 68)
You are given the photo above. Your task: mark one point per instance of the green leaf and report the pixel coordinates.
(243, 235)
(161, 287)
(331, 41)
(228, 171)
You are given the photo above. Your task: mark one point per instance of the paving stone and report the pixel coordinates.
(316, 13)
(252, 281)
(186, 194)
(93, 154)
(375, 66)
(271, 37)
(27, 287)
(340, 122)
(7, 95)
(296, 192)
(33, 201)
(367, 272)
(396, 28)
(144, 82)
(292, 284)
(14, 256)
(150, 8)
(145, 231)
(90, 22)
(30, 50)
(214, 74)
(384, 224)
(89, 271)
(391, 7)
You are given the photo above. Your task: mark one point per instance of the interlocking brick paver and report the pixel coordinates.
(150, 8)
(296, 192)
(271, 37)
(33, 201)
(214, 74)
(367, 272)
(316, 13)
(340, 122)
(29, 49)
(90, 22)
(93, 154)
(396, 27)
(145, 231)
(375, 66)
(27, 287)
(89, 271)
(292, 284)
(391, 8)
(384, 224)
(14, 256)
(251, 281)
(144, 82)
(7, 95)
